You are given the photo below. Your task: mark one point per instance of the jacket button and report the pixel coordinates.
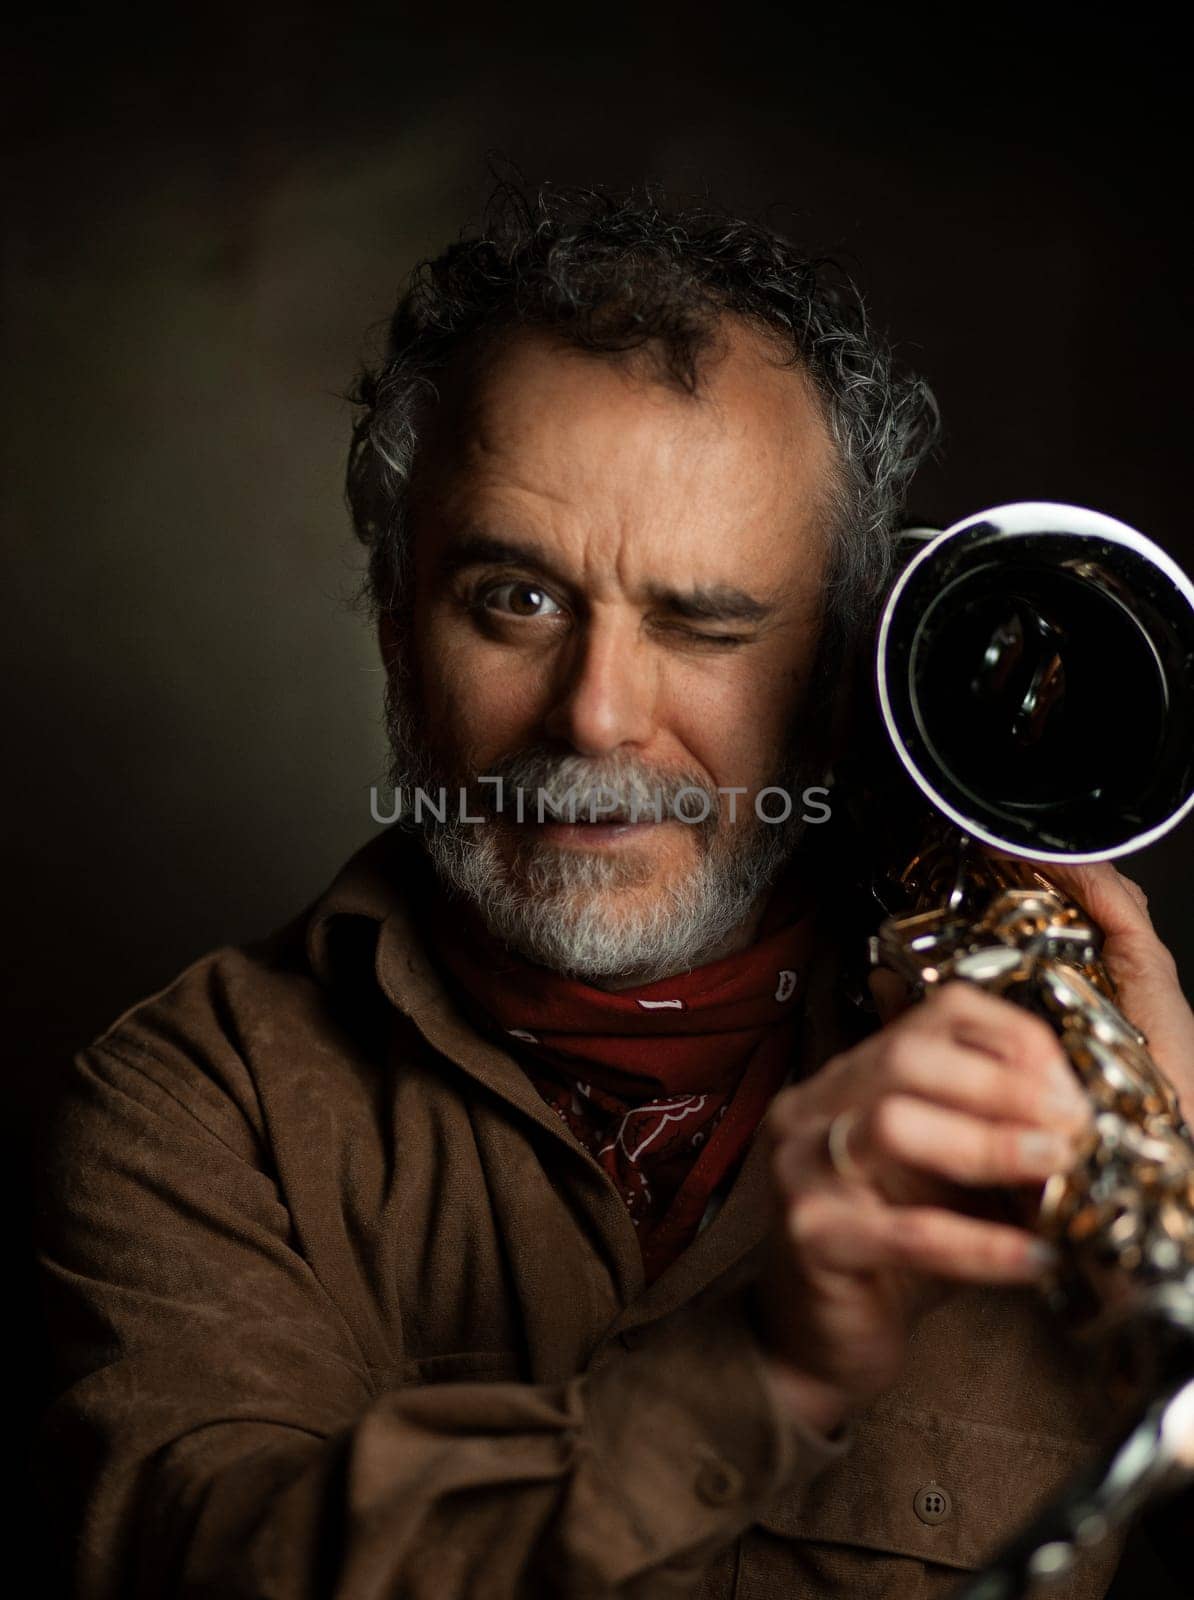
(719, 1483)
(932, 1504)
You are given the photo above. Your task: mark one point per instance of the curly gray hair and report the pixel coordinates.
(615, 273)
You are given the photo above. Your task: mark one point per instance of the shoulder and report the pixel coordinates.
(192, 1053)
(248, 1022)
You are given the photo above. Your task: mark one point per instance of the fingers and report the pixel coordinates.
(1102, 889)
(960, 1048)
(872, 1154)
(1116, 902)
(1143, 968)
(965, 1013)
(1135, 890)
(1133, 950)
(900, 1134)
(836, 1236)
(967, 1079)
(932, 1113)
(903, 1131)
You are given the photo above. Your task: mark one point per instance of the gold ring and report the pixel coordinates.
(837, 1145)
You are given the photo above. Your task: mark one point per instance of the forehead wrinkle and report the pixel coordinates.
(611, 519)
(642, 555)
(626, 499)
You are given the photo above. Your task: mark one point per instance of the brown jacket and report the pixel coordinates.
(342, 1309)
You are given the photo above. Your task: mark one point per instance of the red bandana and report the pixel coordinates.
(652, 1081)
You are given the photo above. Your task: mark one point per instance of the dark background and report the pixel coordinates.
(203, 219)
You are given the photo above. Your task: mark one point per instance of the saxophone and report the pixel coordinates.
(1035, 682)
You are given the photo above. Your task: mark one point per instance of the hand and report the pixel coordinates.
(960, 1093)
(1145, 974)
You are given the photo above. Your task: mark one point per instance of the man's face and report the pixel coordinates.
(615, 580)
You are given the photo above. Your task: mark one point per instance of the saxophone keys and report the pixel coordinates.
(1054, 1195)
(1175, 1222)
(1086, 1223)
(995, 964)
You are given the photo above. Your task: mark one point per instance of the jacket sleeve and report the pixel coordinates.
(216, 1432)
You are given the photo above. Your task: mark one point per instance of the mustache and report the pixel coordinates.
(540, 783)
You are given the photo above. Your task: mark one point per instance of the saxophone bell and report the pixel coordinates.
(1035, 676)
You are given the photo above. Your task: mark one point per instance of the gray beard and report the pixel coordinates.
(560, 907)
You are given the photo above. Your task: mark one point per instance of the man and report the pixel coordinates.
(495, 1228)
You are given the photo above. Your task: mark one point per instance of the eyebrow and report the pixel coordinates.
(717, 602)
(714, 602)
(482, 549)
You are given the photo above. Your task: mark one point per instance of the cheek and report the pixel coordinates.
(471, 704)
(735, 722)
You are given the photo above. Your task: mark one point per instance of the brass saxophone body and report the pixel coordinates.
(1035, 680)
(1122, 1220)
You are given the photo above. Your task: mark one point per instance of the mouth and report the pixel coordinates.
(611, 830)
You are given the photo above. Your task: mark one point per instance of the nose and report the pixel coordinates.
(605, 694)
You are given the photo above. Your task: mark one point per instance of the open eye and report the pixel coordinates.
(518, 599)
